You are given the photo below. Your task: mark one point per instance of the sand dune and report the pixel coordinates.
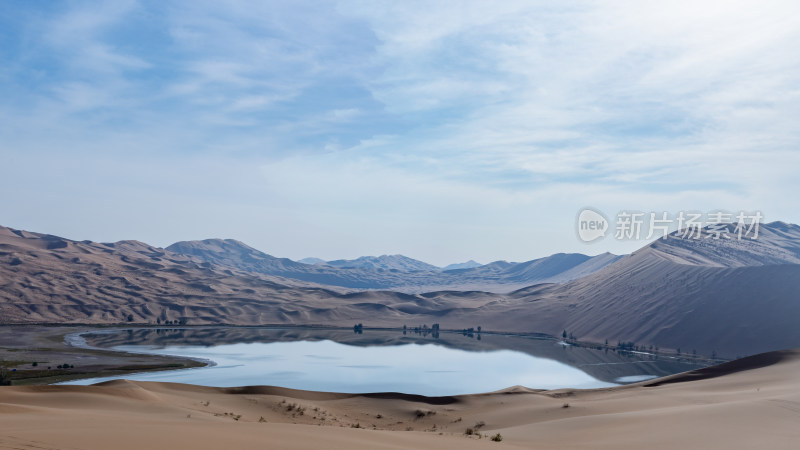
(732, 297)
(729, 297)
(751, 403)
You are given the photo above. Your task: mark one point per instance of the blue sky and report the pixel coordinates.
(445, 131)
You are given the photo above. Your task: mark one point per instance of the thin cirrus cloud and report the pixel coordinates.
(394, 124)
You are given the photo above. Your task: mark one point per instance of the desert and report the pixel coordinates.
(323, 224)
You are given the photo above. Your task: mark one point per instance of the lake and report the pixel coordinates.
(381, 361)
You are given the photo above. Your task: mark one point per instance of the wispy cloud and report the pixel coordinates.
(410, 117)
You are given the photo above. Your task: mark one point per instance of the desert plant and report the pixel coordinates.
(497, 437)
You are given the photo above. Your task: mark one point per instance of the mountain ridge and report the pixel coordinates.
(672, 293)
(395, 272)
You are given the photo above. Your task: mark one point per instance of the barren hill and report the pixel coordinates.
(397, 272)
(734, 298)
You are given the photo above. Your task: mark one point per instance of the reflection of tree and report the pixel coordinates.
(425, 331)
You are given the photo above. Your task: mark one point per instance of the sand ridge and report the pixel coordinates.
(751, 403)
(713, 297)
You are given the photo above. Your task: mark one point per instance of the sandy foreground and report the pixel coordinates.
(750, 403)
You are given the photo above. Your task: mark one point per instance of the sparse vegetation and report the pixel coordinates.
(497, 437)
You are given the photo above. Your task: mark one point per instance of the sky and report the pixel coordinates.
(445, 131)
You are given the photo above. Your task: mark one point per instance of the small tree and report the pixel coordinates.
(564, 334)
(5, 377)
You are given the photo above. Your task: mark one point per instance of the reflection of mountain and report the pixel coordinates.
(602, 365)
(735, 297)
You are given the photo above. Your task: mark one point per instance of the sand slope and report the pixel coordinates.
(735, 297)
(732, 297)
(752, 403)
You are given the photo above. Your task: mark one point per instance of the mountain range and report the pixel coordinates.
(396, 272)
(729, 296)
(465, 265)
(399, 262)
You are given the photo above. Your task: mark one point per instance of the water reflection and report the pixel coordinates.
(361, 360)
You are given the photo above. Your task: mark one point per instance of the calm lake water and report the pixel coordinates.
(381, 361)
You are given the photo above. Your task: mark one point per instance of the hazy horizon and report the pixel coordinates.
(442, 132)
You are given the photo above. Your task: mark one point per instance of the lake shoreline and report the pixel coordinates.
(109, 362)
(682, 411)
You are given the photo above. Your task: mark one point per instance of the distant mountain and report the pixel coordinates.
(465, 265)
(311, 261)
(238, 255)
(733, 297)
(232, 253)
(49, 279)
(386, 262)
(396, 272)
